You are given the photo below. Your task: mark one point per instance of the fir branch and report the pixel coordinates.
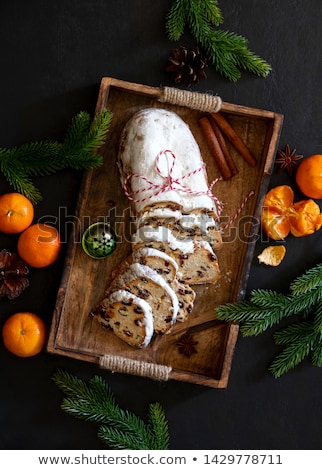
(318, 318)
(227, 51)
(117, 439)
(20, 181)
(308, 281)
(304, 303)
(120, 429)
(212, 12)
(262, 311)
(294, 333)
(269, 299)
(176, 19)
(298, 340)
(78, 151)
(237, 312)
(256, 326)
(158, 426)
(317, 351)
(266, 308)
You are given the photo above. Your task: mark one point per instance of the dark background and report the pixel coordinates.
(53, 55)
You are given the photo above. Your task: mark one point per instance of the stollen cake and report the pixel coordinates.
(196, 259)
(198, 224)
(162, 263)
(129, 316)
(176, 230)
(157, 146)
(167, 267)
(148, 285)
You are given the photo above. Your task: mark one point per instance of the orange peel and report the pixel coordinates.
(272, 255)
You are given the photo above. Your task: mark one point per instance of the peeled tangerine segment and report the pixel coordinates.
(277, 204)
(280, 215)
(280, 197)
(272, 255)
(276, 224)
(306, 218)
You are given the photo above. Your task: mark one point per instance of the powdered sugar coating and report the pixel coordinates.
(163, 234)
(141, 270)
(125, 296)
(149, 132)
(146, 252)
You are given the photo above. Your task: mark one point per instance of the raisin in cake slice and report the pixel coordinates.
(167, 267)
(162, 263)
(197, 224)
(196, 259)
(186, 297)
(147, 284)
(129, 316)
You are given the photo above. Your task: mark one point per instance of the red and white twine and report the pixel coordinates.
(175, 184)
(239, 210)
(170, 184)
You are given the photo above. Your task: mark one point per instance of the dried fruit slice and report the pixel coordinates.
(272, 255)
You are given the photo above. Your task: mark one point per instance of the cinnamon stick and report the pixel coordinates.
(222, 142)
(234, 138)
(214, 147)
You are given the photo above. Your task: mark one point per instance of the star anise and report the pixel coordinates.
(186, 345)
(186, 66)
(12, 275)
(287, 159)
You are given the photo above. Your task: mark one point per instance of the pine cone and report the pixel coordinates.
(12, 275)
(186, 66)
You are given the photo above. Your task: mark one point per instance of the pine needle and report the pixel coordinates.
(266, 308)
(226, 51)
(317, 352)
(310, 280)
(83, 139)
(298, 340)
(119, 429)
(176, 20)
(158, 427)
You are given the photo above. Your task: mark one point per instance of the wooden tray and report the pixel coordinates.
(75, 333)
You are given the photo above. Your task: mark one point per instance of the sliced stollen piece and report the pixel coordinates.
(129, 316)
(196, 259)
(167, 267)
(186, 297)
(200, 225)
(160, 162)
(162, 263)
(197, 224)
(147, 284)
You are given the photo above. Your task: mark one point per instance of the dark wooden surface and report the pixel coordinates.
(53, 56)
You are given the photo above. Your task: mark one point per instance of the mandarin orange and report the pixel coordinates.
(39, 245)
(281, 216)
(275, 223)
(274, 218)
(305, 218)
(309, 176)
(24, 334)
(16, 213)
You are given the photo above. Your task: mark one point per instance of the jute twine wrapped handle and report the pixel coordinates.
(194, 100)
(134, 367)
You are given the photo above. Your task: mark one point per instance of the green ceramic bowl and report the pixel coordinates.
(99, 240)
